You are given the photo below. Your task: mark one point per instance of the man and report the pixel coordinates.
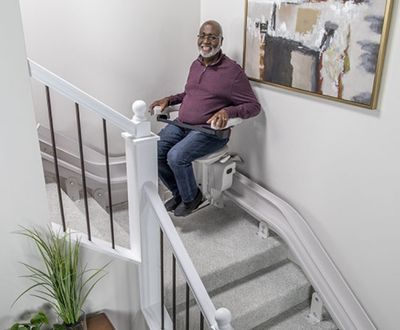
(216, 89)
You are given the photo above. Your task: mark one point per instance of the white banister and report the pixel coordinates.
(78, 96)
(146, 215)
(146, 210)
(182, 257)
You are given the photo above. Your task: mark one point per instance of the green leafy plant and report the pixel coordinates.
(35, 323)
(62, 282)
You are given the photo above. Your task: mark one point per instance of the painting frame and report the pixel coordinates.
(282, 47)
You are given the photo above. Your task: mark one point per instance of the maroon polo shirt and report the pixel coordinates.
(221, 85)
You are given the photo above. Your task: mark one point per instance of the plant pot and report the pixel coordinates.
(81, 325)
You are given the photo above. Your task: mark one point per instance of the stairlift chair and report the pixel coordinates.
(213, 172)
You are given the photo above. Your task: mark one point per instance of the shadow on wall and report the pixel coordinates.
(249, 140)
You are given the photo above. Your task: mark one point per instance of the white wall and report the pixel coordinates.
(117, 293)
(117, 51)
(22, 192)
(23, 197)
(338, 165)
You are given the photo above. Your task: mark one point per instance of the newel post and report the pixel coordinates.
(141, 162)
(223, 317)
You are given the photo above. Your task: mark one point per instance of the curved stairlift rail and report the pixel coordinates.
(320, 269)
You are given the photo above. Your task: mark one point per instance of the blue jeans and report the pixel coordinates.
(177, 148)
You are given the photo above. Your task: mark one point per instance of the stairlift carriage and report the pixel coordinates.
(213, 172)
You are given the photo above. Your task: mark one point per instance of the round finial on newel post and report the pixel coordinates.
(139, 109)
(223, 317)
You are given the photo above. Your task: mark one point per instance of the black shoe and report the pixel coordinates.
(172, 203)
(184, 209)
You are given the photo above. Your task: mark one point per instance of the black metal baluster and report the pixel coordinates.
(173, 292)
(53, 141)
(108, 183)
(201, 321)
(187, 306)
(78, 122)
(162, 276)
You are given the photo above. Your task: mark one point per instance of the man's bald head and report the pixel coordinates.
(217, 27)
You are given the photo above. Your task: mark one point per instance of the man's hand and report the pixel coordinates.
(162, 103)
(219, 119)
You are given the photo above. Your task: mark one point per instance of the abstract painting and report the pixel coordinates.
(329, 48)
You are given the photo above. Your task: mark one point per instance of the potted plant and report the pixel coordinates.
(62, 282)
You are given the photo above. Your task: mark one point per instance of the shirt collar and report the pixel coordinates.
(216, 62)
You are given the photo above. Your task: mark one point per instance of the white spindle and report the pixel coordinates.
(223, 317)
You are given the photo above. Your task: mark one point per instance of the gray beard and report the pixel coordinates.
(213, 52)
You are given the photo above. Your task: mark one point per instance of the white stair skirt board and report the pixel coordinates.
(326, 279)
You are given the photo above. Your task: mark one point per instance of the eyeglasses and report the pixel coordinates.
(211, 37)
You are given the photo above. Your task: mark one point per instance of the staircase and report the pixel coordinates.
(251, 276)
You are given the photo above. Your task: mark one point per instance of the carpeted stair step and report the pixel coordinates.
(100, 220)
(256, 299)
(224, 247)
(75, 217)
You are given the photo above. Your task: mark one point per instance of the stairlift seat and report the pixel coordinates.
(213, 172)
(213, 157)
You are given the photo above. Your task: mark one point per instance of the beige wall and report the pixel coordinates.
(338, 165)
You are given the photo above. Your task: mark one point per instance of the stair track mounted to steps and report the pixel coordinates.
(250, 276)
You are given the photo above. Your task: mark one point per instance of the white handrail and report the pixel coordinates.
(188, 269)
(139, 128)
(78, 96)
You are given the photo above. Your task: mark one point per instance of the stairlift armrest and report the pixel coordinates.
(221, 133)
(167, 111)
(230, 123)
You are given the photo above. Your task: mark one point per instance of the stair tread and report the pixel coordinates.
(265, 296)
(100, 219)
(76, 220)
(211, 238)
(256, 300)
(73, 216)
